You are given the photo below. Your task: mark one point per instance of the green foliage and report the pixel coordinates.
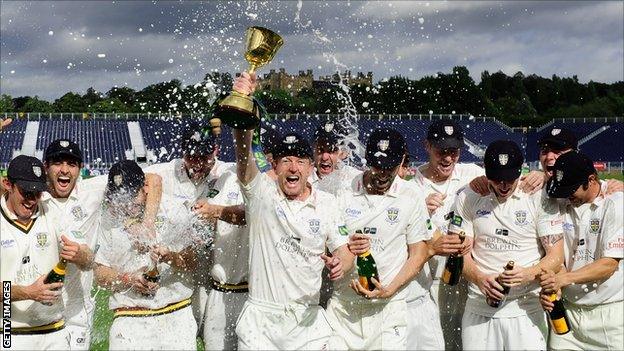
(516, 100)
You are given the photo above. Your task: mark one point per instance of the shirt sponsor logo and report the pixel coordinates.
(483, 213)
(232, 195)
(616, 244)
(428, 224)
(280, 212)
(370, 230)
(503, 232)
(342, 230)
(78, 213)
(353, 212)
(556, 222)
(594, 225)
(212, 193)
(8, 243)
(583, 255)
(25, 259)
(315, 225)
(502, 244)
(42, 240)
(78, 234)
(568, 227)
(290, 245)
(521, 217)
(393, 215)
(581, 242)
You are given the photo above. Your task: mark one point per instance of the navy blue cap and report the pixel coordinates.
(27, 173)
(503, 160)
(385, 148)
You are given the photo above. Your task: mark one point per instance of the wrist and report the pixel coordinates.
(565, 279)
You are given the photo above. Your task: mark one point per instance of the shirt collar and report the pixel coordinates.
(359, 189)
(310, 200)
(47, 196)
(10, 214)
(454, 175)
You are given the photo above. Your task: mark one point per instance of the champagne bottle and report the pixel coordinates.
(152, 275)
(367, 269)
(558, 317)
(454, 265)
(57, 274)
(496, 303)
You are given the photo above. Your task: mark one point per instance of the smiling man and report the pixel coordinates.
(386, 210)
(506, 225)
(330, 171)
(290, 224)
(31, 247)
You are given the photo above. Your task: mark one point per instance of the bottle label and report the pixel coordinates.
(446, 276)
(560, 325)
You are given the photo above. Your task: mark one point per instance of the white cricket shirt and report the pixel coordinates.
(502, 232)
(391, 221)
(286, 240)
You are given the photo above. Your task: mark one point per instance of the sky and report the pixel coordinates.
(48, 48)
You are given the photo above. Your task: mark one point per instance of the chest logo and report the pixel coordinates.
(594, 225)
(78, 213)
(233, 195)
(212, 193)
(503, 232)
(315, 225)
(521, 217)
(159, 222)
(353, 212)
(483, 213)
(42, 240)
(342, 230)
(370, 230)
(393, 215)
(581, 242)
(77, 234)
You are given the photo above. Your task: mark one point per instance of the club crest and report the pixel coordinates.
(78, 213)
(449, 130)
(393, 215)
(559, 175)
(42, 240)
(594, 225)
(383, 145)
(503, 159)
(37, 171)
(315, 225)
(521, 217)
(64, 143)
(290, 139)
(555, 131)
(328, 127)
(118, 179)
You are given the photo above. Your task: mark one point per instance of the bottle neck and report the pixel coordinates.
(366, 254)
(61, 266)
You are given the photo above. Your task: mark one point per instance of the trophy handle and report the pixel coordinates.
(252, 68)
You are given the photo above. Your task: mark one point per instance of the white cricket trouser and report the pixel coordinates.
(264, 325)
(367, 325)
(79, 334)
(451, 302)
(58, 340)
(513, 333)
(222, 313)
(199, 299)
(423, 325)
(171, 331)
(599, 327)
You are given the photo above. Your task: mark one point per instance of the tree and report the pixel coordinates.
(6, 103)
(113, 105)
(70, 102)
(91, 97)
(34, 104)
(126, 95)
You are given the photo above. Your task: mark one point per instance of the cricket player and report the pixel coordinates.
(32, 245)
(384, 208)
(290, 224)
(330, 172)
(189, 179)
(440, 179)
(74, 203)
(507, 225)
(591, 283)
(151, 281)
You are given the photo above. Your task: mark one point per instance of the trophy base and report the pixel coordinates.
(238, 111)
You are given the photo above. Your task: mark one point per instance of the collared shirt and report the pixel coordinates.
(28, 252)
(392, 221)
(286, 240)
(175, 230)
(230, 249)
(78, 217)
(335, 182)
(593, 231)
(502, 232)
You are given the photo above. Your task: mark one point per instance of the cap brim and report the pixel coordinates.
(558, 191)
(63, 153)
(31, 186)
(555, 144)
(448, 143)
(503, 174)
(383, 163)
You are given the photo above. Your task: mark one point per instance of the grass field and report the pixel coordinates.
(619, 175)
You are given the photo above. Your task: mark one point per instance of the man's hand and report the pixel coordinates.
(160, 253)
(71, 250)
(547, 305)
(334, 264)
(245, 83)
(490, 287)
(139, 284)
(5, 123)
(614, 186)
(448, 245)
(207, 211)
(358, 243)
(532, 182)
(380, 291)
(480, 185)
(514, 277)
(47, 294)
(434, 201)
(550, 281)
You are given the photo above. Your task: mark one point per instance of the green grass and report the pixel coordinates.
(612, 175)
(104, 318)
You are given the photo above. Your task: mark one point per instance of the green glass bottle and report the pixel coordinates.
(496, 303)
(454, 266)
(57, 274)
(367, 270)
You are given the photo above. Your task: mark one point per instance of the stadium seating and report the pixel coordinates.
(105, 141)
(11, 139)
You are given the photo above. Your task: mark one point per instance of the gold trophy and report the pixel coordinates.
(237, 110)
